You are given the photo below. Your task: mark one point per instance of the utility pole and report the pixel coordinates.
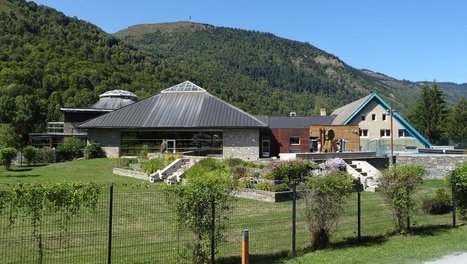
(391, 114)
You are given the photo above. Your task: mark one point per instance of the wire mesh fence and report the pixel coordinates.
(139, 226)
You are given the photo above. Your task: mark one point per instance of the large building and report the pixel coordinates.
(373, 117)
(190, 119)
(194, 122)
(57, 131)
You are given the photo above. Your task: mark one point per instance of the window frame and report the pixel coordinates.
(362, 134)
(405, 133)
(294, 137)
(385, 134)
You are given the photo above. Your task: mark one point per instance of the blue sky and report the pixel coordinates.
(413, 39)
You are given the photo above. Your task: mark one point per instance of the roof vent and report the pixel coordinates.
(292, 114)
(322, 111)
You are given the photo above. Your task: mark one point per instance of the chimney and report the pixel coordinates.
(292, 114)
(322, 111)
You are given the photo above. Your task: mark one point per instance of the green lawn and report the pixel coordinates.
(95, 170)
(428, 244)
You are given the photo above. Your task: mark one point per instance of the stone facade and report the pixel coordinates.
(437, 166)
(109, 140)
(241, 143)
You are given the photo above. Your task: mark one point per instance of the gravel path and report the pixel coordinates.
(450, 259)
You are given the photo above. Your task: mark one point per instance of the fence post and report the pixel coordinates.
(111, 201)
(213, 230)
(294, 217)
(453, 195)
(359, 211)
(41, 250)
(245, 247)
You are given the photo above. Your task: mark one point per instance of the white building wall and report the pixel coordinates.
(375, 126)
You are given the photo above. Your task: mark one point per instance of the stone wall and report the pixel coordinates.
(265, 196)
(131, 173)
(109, 140)
(437, 166)
(241, 143)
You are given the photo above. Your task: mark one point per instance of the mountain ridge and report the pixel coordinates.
(170, 28)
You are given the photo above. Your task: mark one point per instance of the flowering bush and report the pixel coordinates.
(289, 170)
(330, 166)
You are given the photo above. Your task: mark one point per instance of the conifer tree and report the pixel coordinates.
(457, 122)
(429, 114)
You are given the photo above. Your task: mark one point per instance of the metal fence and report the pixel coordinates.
(136, 225)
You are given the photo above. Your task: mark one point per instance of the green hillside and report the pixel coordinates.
(48, 61)
(261, 72)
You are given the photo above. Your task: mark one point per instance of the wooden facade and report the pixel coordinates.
(285, 140)
(348, 133)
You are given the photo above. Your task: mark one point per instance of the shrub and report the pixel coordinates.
(460, 189)
(288, 171)
(153, 165)
(325, 198)
(170, 157)
(204, 166)
(440, 204)
(31, 154)
(264, 185)
(398, 184)
(246, 182)
(124, 163)
(234, 162)
(239, 172)
(70, 149)
(48, 154)
(330, 166)
(6, 156)
(93, 151)
(196, 201)
(145, 149)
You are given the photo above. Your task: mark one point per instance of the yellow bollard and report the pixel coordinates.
(245, 248)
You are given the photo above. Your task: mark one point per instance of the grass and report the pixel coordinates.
(144, 231)
(425, 244)
(95, 170)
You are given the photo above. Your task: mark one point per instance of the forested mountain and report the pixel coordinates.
(261, 72)
(49, 60)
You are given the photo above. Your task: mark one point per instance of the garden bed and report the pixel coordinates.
(131, 173)
(261, 195)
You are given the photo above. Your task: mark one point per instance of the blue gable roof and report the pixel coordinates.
(376, 98)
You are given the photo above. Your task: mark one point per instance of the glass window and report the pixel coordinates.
(383, 117)
(363, 132)
(295, 140)
(363, 118)
(373, 117)
(199, 143)
(404, 133)
(385, 133)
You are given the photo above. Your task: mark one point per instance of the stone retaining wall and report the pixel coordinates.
(131, 173)
(437, 166)
(265, 196)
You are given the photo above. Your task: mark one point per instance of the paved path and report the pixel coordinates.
(450, 259)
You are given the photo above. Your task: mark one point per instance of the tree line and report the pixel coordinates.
(432, 117)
